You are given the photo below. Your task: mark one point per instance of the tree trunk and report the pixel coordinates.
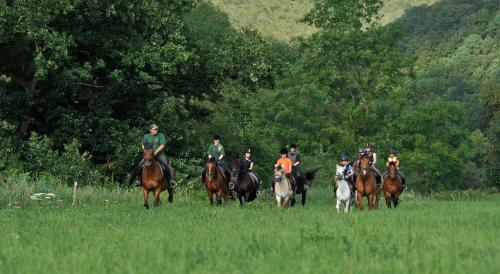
(29, 86)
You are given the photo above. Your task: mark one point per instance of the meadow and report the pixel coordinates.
(108, 231)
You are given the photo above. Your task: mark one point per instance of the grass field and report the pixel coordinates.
(109, 232)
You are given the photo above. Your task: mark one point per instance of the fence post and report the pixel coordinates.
(75, 187)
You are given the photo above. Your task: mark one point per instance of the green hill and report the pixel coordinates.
(279, 18)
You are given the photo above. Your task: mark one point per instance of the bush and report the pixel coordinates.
(68, 166)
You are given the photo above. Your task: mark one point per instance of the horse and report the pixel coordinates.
(302, 179)
(343, 192)
(153, 180)
(392, 187)
(282, 189)
(215, 182)
(366, 183)
(244, 185)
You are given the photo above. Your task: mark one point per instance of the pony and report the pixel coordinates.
(302, 180)
(282, 189)
(153, 180)
(215, 182)
(343, 192)
(392, 187)
(244, 185)
(366, 183)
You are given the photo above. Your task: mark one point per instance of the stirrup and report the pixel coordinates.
(173, 184)
(138, 183)
(231, 185)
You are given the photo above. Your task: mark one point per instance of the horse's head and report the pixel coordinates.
(339, 175)
(211, 169)
(392, 170)
(364, 164)
(148, 155)
(279, 172)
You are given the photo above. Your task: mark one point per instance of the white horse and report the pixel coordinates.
(282, 188)
(343, 192)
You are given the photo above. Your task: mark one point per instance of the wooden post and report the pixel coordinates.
(75, 187)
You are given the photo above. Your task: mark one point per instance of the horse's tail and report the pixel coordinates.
(311, 174)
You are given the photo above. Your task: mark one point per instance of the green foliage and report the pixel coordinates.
(69, 165)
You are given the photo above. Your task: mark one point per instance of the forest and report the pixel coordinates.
(82, 80)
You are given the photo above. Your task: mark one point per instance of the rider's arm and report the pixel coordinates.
(251, 166)
(222, 153)
(159, 149)
(297, 160)
(387, 163)
(163, 143)
(374, 158)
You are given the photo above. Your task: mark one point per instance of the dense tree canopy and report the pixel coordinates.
(81, 80)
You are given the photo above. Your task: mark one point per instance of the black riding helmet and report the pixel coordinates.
(293, 146)
(392, 151)
(284, 151)
(368, 145)
(344, 157)
(248, 150)
(216, 137)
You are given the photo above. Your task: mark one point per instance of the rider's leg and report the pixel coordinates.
(378, 177)
(403, 180)
(137, 174)
(166, 170)
(291, 178)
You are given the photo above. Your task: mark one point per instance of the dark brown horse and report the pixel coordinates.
(392, 187)
(215, 182)
(153, 179)
(244, 186)
(303, 179)
(366, 183)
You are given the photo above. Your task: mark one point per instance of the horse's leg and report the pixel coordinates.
(219, 197)
(157, 197)
(210, 197)
(387, 197)
(304, 196)
(286, 202)
(360, 200)
(377, 198)
(347, 205)
(240, 198)
(396, 199)
(278, 201)
(292, 201)
(370, 201)
(170, 195)
(145, 194)
(338, 206)
(247, 196)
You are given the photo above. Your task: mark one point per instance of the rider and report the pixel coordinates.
(294, 156)
(286, 163)
(158, 142)
(393, 159)
(247, 164)
(373, 160)
(216, 151)
(348, 171)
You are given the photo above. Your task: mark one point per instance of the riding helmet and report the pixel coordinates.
(293, 146)
(344, 157)
(368, 145)
(248, 150)
(284, 151)
(392, 151)
(361, 150)
(216, 137)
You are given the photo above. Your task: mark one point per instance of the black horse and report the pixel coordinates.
(244, 185)
(303, 179)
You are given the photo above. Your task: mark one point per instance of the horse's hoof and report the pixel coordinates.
(146, 206)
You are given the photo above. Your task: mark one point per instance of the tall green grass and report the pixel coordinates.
(109, 232)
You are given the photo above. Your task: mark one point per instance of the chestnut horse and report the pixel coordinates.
(392, 187)
(366, 183)
(153, 179)
(215, 182)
